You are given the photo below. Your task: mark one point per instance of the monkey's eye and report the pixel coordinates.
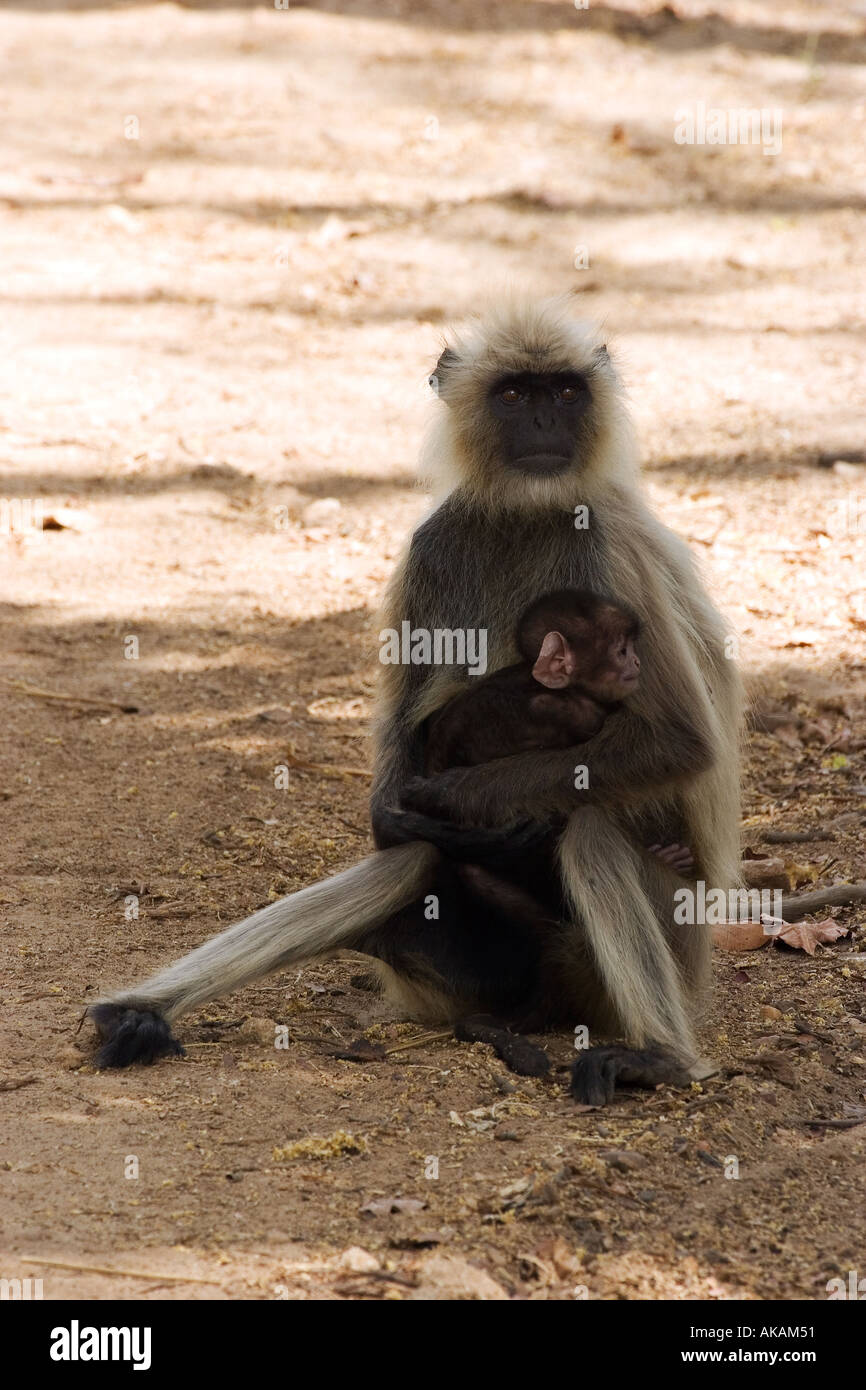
(569, 394)
(511, 395)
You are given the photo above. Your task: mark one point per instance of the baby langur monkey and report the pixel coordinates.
(579, 662)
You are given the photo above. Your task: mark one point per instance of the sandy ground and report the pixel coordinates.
(230, 239)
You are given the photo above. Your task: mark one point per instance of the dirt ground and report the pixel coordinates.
(230, 240)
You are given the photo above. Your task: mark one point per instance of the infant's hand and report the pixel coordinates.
(677, 857)
(432, 796)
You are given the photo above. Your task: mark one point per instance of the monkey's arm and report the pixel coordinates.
(397, 735)
(492, 848)
(543, 783)
(400, 737)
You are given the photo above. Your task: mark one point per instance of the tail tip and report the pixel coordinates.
(132, 1035)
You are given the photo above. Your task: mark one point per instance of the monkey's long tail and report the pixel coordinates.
(134, 1024)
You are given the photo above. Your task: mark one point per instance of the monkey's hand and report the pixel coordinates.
(677, 857)
(470, 844)
(437, 797)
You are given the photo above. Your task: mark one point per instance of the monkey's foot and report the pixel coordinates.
(597, 1072)
(132, 1035)
(677, 857)
(518, 1053)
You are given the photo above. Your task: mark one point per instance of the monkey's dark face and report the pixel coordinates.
(540, 419)
(615, 674)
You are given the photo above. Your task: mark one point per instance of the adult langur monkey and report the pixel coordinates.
(534, 449)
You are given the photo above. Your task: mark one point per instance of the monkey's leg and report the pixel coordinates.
(629, 953)
(506, 897)
(134, 1024)
(518, 1053)
(482, 947)
(474, 955)
(690, 942)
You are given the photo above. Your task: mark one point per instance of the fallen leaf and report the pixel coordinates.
(805, 936)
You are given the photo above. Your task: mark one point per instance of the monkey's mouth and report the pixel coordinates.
(542, 463)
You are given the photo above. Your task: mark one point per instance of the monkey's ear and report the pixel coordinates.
(438, 381)
(555, 665)
(601, 354)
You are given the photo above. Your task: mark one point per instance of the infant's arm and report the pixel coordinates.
(491, 719)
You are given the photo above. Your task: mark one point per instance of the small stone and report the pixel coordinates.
(623, 1160)
(69, 1058)
(325, 511)
(357, 1260)
(257, 1030)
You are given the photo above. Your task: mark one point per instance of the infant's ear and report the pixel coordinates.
(555, 665)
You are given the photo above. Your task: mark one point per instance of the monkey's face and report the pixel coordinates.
(533, 415)
(540, 419)
(617, 674)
